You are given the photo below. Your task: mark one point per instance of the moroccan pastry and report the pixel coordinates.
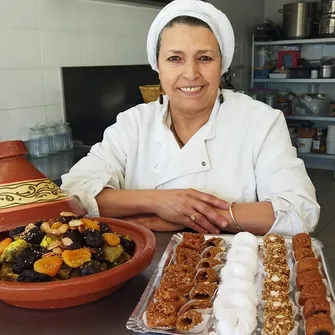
(319, 324)
(161, 315)
(273, 238)
(307, 264)
(196, 304)
(270, 259)
(278, 307)
(307, 277)
(316, 306)
(188, 320)
(200, 238)
(276, 282)
(302, 253)
(179, 281)
(213, 242)
(187, 256)
(203, 291)
(275, 295)
(171, 296)
(278, 324)
(208, 263)
(181, 268)
(301, 240)
(276, 249)
(315, 289)
(190, 244)
(207, 275)
(277, 269)
(212, 252)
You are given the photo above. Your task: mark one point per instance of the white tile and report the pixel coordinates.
(96, 17)
(131, 49)
(20, 49)
(58, 14)
(18, 13)
(60, 49)
(18, 121)
(55, 113)
(21, 88)
(99, 49)
(52, 86)
(133, 20)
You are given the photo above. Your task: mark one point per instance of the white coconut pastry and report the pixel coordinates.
(245, 239)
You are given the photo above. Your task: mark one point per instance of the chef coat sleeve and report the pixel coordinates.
(104, 166)
(281, 178)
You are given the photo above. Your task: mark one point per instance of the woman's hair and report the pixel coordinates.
(184, 19)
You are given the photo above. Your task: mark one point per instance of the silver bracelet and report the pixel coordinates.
(232, 216)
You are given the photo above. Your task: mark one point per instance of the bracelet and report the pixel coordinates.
(232, 216)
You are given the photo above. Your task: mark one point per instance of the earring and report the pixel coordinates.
(160, 95)
(221, 98)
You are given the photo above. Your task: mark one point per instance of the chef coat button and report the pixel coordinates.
(155, 166)
(203, 163)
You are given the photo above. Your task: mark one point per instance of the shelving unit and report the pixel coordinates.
(326, 160)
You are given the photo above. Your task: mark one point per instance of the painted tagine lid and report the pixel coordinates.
(26, 194)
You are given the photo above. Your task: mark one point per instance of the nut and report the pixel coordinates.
(54, 232)
(63, 228)
(68, 214)
(57, 251)
(66, 241)
(45, 227)
(76, 223)
(54, 244)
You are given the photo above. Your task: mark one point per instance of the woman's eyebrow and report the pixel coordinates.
(198, 52)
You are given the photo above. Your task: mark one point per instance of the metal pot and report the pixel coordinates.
(298, 19)
(328, 7)
(327, 25)
(326, 71)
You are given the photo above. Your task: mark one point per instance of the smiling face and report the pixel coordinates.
(189, 64)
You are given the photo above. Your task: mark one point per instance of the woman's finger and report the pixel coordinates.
(202, 221)
(187, 221)
(210, 199)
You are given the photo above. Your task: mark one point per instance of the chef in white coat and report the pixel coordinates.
(198, 157)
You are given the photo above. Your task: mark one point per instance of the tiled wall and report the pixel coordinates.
(37, 37)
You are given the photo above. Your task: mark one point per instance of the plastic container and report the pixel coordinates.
(38, 142)
(330, 147)
(304, 145)
(331, 132)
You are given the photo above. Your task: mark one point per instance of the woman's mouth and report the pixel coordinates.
(191, 89)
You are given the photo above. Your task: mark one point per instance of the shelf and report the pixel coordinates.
(292, 80)
(330, 40)
(312, 155)
(310, 118)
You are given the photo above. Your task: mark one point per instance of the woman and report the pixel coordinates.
(200, 157)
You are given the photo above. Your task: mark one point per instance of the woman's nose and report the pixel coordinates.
(191, 70)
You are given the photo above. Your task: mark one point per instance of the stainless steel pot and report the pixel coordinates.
(328, 7)
(326, 71)
(327, 25)
(298, 19)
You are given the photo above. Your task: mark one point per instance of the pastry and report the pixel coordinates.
(213, 242)
(208, 263)
(307, 277)
(196, 304)
(276, 282)
(161, 315)
(212, 252)
(207, 275)
(181, 268)
(171, 296)
(315, 289)
(278, 324)
(277, 269)
(188, 321)
(307, 264)
(203, 291)
(278, 307)
(200, 238)
(273, 238)
(302, 253)
(301, 240)
(276, 249)
(275, 295)
(180, 281)
(316, 306)
(190, 244)
(270, 259)
(187, 256)
(319, 324)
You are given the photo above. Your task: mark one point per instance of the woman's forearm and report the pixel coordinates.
(121, 203)
(255, 217)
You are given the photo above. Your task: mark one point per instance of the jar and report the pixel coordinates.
(282, 97)
(65, 133)
(331, 109)
(38, 142)
(53, 138)
(319, 141)
(270, 100)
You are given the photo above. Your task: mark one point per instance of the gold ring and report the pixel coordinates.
(193, 217)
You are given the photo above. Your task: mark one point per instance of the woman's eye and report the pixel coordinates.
(205, 58)
(173, 58)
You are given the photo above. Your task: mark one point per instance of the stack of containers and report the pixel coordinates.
(331, 139)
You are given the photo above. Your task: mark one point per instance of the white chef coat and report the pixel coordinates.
(242, 154)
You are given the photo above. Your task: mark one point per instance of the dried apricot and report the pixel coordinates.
(90, 224)
(112, 239)
(76, 258)
(48, 265)
(4, 244)
(56, 225)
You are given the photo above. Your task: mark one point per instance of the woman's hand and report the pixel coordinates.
(190, 208)
(153, 222)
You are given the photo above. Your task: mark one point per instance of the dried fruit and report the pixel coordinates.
(34, 235)
(25, 260)
(48, 265)
(75, 236)
(98, 254)
(64, 272)
(56, 225)
(30, 276)
(93, 238)
(128, 244)
(4, 244)
(113, 253)
(16, 231)
(66, 217)
(105, 228)
(90, 268)
(112, 239)
(13, 250)
(76, 258)
(90, 224)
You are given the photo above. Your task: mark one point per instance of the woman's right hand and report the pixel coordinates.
(191, 208)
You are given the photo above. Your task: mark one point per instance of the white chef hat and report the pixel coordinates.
(206, 12)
